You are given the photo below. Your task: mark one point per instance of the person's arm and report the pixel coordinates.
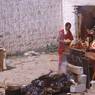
(71, 37)
(67, 40)
(60, 38)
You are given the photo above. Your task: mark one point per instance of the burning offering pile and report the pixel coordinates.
(50, 84)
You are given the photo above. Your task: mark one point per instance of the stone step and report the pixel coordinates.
(75, 69)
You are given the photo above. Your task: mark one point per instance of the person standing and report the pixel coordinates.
(64, 37)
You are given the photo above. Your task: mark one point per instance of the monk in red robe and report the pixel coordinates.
(65, 35)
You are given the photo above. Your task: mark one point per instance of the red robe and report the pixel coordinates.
(69, 36)
(62, 36)
(61, 44)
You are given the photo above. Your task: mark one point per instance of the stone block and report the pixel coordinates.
(82, 78)
(75, 69)
(78, 88)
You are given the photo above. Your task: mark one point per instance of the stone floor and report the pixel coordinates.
(23, 69)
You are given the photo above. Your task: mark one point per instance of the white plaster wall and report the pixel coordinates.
(29, 24)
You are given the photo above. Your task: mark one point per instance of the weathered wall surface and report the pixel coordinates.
(69, 12)
(29, 24)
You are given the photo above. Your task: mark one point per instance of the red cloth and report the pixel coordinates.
(61, 44)
(61, 47)
(62, 36)
(69, 35)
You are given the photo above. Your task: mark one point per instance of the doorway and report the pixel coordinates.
(86, 20)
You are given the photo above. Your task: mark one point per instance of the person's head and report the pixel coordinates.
(68, 26)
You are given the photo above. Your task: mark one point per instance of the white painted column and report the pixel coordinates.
(69, 16)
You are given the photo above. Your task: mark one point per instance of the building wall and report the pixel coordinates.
(69, 12)
(29, 24)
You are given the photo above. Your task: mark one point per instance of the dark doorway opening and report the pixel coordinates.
(86, 19)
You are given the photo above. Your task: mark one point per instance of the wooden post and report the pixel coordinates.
(2, 59)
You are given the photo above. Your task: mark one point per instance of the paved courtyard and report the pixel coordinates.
(24, 69)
